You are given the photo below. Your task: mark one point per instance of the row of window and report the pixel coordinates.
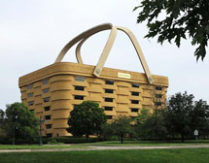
(107, 82)
(81, 88)
(82, 79)
(46, 99)
(107, 99)
(108, 108)
(44, 82)
(46, 108)
(79, 97)
(110, 117)
(45, 90)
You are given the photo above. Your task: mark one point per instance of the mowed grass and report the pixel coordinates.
(138, 156)
(148, 143)
(45, 146)
(104, 143)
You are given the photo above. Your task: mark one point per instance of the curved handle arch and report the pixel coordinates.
(104, 55)
(82, 36)
(138, 51)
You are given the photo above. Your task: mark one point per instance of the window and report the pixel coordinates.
(158, 96)
(158, 88)
(109, 82)
(48, 126)
(77, 97)
(79, 88)
(134, 101)
(32, 110)
(47, 108)
(135, 93)
(47, 117)
(108, 117)
(108, 90)
(30, 94)
(108, 99)
(45, 81)
(158, 103)
(135, 85)
(134, 110)
(108, 108)
(80, 78)
(30, 103)
(45, 90)
(30, 86)
(46, 99)
(49, 135)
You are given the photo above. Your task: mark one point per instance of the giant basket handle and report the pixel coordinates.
(85, 35)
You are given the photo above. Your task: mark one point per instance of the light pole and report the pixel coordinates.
(41, 121)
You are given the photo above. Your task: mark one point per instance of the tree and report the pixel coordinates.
(200, 117)
(20, 122)
(177, 114)
(87, 119)
(151, 125)
(122, 126)
(107, 131)
(177, 19)
(141, 127)
(2, 124)
(1, 117)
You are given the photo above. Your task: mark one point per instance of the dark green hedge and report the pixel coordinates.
(74, 140)
(45, 140)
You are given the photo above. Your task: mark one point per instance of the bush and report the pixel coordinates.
(73, 140)
(54, 141)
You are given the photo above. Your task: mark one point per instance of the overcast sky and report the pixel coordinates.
(32, 33)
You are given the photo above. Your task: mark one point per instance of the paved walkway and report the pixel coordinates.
(93, 148)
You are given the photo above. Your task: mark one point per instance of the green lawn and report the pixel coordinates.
(148, 143)
(104, 143)
(57, 146)
(126, 156)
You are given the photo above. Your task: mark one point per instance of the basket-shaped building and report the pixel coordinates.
(53, 91)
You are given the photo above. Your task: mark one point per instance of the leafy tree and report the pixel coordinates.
(200, 117)
(177, 114)
(2, 124)
(151, 125)
(177, 19)
(20, 122)
(141, 127)
(122, 126)
(157, 123)
(2, 117)
(87, 118)
(107, 131)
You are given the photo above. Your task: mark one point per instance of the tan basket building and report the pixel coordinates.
(53, 91)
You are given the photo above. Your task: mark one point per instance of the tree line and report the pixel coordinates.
(181, 117)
